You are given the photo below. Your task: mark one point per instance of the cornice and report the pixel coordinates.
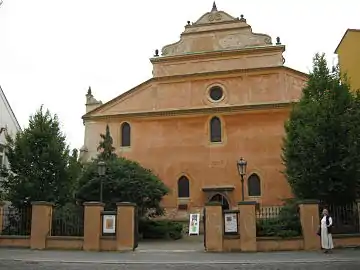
(217, 54)
(195, 111)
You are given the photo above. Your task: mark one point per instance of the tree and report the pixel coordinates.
(74, 170)
(38, 159)
(124, 181)
(105, 147)
(321, 147)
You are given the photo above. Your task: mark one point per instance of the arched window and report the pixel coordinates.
(183, 187)
(254, 185)
(215, 129)
(125, 134)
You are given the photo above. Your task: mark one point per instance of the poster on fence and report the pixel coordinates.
(194, 224)
(109, 224)
(230, 222)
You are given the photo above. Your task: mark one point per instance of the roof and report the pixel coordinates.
(2, 94)
(346, 33)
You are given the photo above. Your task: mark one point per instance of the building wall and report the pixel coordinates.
(169, 114)
(7, 119)
(349, 57)
(178, 145)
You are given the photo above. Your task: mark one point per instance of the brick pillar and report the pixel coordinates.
(247, 225)
(2, 204)
(92, 225)
(41, 220)
(125, 226)
(310, 220)
(214, 227)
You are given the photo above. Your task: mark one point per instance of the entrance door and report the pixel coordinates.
(221, 199)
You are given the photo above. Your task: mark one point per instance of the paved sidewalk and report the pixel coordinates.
(163, 257)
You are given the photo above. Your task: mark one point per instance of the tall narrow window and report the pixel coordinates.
(215, 129)
(183, 187)
(125, 134)
(254, 185)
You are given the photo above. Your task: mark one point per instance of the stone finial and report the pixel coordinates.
(214, 8)
(156, 53)
(89, 92)
(242, 19)
(278, 42)
(188, 22)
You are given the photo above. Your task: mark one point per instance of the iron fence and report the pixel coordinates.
(345, 218)
(16, 221)
(68, 221)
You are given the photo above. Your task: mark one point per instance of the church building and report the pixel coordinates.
(219, 94)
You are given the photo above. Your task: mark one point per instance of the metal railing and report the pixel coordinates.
(16, 221)
(68, 221)
(345, 218)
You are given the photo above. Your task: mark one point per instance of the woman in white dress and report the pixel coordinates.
(325, 230)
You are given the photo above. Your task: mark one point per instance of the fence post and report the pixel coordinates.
(92, 225)
(125, 226)
(41, 219)
(247, 225)
(214, 234)
(310, 221)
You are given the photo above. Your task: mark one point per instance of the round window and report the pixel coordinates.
(216, 93)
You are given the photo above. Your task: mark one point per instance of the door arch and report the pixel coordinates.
(221, 199)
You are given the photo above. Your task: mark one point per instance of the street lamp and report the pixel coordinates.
(101, 172)
(241, 166)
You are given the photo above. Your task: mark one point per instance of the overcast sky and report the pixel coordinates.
(52, 50)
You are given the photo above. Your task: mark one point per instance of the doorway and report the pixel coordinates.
(221, 199)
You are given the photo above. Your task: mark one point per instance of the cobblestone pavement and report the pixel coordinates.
(21, 259)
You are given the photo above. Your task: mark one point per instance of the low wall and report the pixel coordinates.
(14, 241)
(65, 242)
(108, 243)
(279, 244)
(346, 240)
(231, 243)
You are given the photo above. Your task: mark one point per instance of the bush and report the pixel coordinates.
(286, 224)
(160, 229)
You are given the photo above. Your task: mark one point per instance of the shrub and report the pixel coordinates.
(286, 224)
(160, 229)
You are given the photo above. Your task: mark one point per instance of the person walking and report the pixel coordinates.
(325, 231)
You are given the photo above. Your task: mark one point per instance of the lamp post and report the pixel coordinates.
(101, 172)
(241, 166)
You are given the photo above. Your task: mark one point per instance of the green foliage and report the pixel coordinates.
(321, 150)
(74, 171)
(38, 159)
(286, 224)
(124, 181)
(160, 229)
(105, 147)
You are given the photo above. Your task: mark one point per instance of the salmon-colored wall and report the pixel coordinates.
(176, 145)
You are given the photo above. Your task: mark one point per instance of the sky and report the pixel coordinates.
(51, 51)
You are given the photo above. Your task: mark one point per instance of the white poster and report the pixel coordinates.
(194, 224)
(109, 223)
(231, 224)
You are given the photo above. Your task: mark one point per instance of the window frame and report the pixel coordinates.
(250, 193)
(180, 191)
(218, 139)
(122, 132)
